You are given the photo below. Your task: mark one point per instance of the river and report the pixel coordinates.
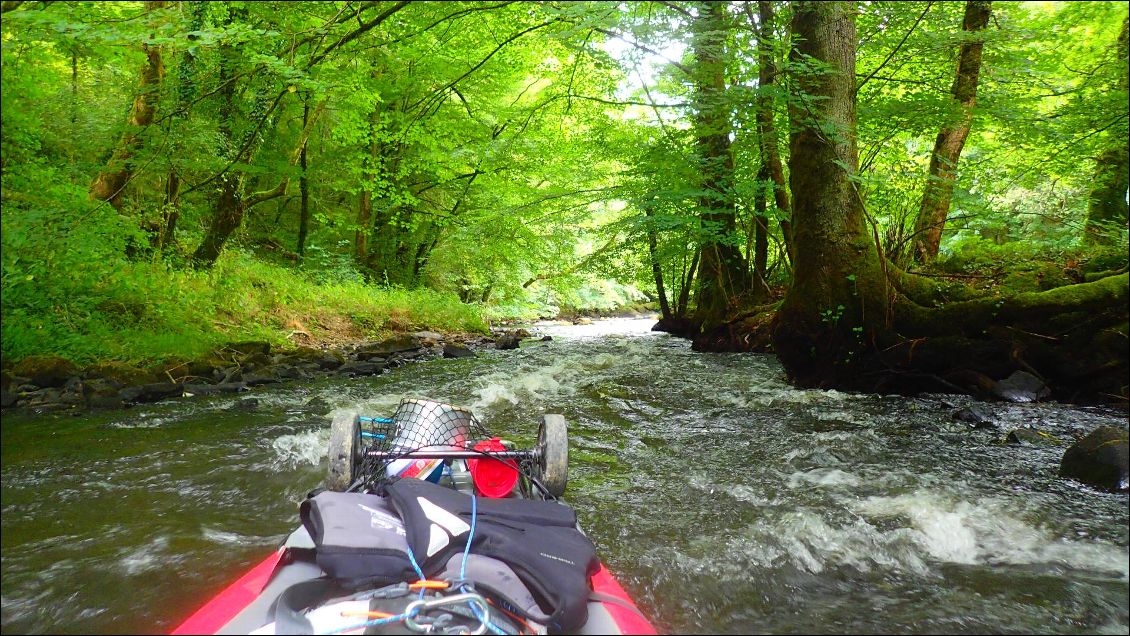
(724, 500)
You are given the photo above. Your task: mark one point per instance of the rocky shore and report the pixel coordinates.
(44, 384)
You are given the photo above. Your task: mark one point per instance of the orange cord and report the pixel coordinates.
(366, 614)
(529, 630)
(429, 585)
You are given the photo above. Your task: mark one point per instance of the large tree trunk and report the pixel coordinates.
(111, 183)
(724, 279)
(1107, 209)
(839, 295)
(852, 321)
(938, 194)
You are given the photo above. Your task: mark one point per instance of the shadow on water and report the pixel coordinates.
(725, 500)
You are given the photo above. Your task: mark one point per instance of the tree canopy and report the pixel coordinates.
(521, 157)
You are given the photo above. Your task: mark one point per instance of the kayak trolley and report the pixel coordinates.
(424, 436)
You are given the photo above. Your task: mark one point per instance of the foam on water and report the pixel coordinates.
(984, 531)
(151, 556)
(301, 448)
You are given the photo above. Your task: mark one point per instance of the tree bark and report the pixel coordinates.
(684, 299)
(761, 228)
(110, 184)
(938, 194)
(1107, 210)
(723, 274)
(657, 270)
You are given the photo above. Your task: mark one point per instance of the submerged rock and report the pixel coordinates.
(976, 417)
(151, 392)
(1031, 437)
(361, 368)
(1100, 459)
(245, 404)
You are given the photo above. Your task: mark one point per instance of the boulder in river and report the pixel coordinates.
(507, 341)
(457, 351)
(1021, 386)
(1099, 459)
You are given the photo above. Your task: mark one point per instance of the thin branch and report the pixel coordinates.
(364, 28)
(443, 91)
(896, 49)
(681, 67)
(677, 8)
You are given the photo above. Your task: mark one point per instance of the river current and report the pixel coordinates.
(723, 499)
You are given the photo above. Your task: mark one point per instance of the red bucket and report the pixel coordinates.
(493, 478)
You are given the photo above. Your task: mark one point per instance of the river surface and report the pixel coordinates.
(724, 500)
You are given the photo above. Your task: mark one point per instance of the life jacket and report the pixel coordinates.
(528, 555)
(539, 540)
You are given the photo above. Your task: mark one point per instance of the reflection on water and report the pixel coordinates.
(724, 499)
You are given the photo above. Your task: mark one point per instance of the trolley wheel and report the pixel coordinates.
(553, 453)
(345, 451)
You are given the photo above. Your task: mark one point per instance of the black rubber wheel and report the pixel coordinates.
(553, 453)
(345, 451)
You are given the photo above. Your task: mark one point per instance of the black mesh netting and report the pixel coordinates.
(419, 424)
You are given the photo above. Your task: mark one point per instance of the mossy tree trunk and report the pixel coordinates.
(111, 183)
(938, 193)
(723, 274)
(839, 295)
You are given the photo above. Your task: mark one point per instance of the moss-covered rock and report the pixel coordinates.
(1100, 459)
(46, 371)
(122, 372)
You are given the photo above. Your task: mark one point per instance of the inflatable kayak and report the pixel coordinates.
(427, 524)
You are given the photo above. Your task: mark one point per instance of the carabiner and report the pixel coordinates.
(416, 607)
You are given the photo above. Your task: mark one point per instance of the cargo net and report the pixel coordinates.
(418, 424)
